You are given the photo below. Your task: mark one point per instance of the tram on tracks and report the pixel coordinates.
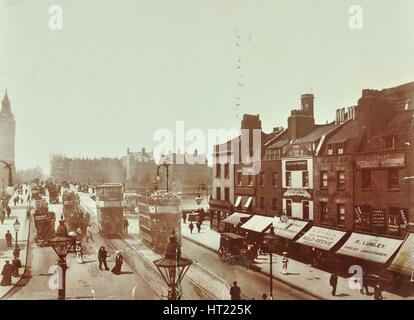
(110, 208)
(159, 216)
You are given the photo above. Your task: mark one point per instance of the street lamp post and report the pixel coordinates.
(173, 267)
(16, 226)
(61, 244)
(270, 238)
(166, 165)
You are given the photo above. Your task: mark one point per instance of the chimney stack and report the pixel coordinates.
(307, 103)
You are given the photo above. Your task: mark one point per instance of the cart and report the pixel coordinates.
(233, 249)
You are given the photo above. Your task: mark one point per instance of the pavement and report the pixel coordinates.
(84, 281)
(306, 278)
(6, 253)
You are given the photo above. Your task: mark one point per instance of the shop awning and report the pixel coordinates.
(321, 238)
(238, 200)
(404, 260)
(249, 200)
(236, 218)
(257, 223)
(369, 247)
(288, 229)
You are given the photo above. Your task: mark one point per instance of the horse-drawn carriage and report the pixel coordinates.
(233, 249)
(44, 221)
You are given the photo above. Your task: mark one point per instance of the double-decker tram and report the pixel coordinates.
(109, 208)
(159, 215)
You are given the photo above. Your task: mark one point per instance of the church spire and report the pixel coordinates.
(5, 108)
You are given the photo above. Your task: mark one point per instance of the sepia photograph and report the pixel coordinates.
(208, 150)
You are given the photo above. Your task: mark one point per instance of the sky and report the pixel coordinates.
(119, 70)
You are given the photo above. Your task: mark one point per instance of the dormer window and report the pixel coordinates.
(330, 149)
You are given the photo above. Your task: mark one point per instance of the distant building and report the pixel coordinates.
(7, 140)
(86, 170)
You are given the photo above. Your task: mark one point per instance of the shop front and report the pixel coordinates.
(233, 222)
(287, 231)
(318, 246)
(402, 267)
(255, 227)
(218, 211)
(369, 251)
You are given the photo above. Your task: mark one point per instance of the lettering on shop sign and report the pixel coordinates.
(393, 160)
(297, 193)
(300, 165)
(378, 218)
(372, 244)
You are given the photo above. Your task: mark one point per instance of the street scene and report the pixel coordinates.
(203, 151)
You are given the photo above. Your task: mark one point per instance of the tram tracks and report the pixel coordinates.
(139, 257)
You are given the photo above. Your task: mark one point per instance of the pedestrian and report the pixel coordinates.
(16, 251)
(8, 211)
(7, 274)
(102, 254)
(285, 261)
(16, 264)
(198, 227)
(364, 284)
(333, 281)
(28, 198)
(378, 292)
(235, 292)
(119, 260)
(15, 200)
(79, 252)
(126, 225)
(2, 216)
(264, 296)
(9, 238)
(89, 233)
(191, 226)
(184, 216)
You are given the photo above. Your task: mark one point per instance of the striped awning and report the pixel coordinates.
(404, 260)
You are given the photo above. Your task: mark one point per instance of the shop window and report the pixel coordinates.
(274, 179)
(288, 179)
(366, 179)
(324, 180)
(289, 208)
(305, 205)
(274, 204)
(305, 179)
(340, 211)
(218, 193)
(323, 211)
(340, 180)
(393, 179)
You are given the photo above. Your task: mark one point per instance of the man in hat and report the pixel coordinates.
(9, 238)
(7, 274)
(102, 254)
(235, 292)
